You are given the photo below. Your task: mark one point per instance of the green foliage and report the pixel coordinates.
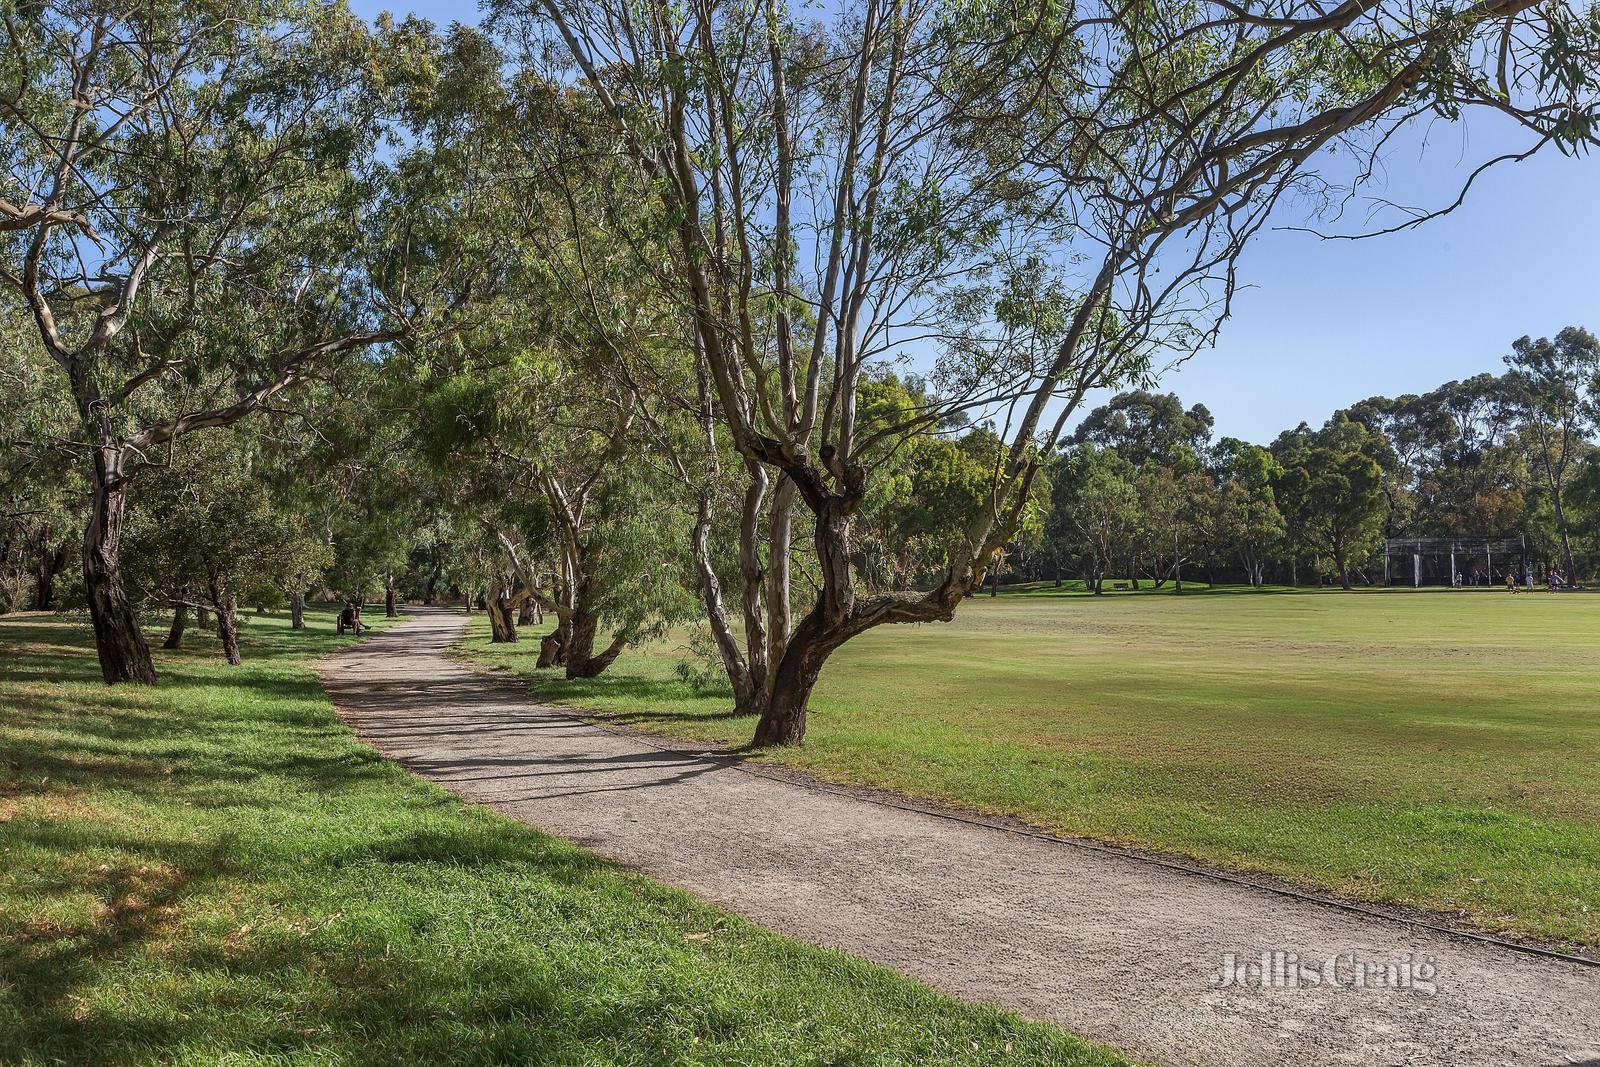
(1331, 492)
(209, 527)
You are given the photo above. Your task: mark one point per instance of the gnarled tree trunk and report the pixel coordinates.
(552, 648)
(579, 655)
(120, 644)
(227, 606)
(502, 621)
(783, 718)
(297, 610)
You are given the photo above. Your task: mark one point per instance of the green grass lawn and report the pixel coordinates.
(218, 871)
(1436, 749)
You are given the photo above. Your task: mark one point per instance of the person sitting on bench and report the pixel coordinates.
(350, 619)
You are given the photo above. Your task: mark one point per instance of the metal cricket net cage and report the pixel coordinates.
(1419, 561)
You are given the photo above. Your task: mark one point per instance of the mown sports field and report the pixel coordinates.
(1429, 748)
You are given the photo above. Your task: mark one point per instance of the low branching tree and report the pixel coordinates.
(1054, 194)
(188, 212)
(207, 532)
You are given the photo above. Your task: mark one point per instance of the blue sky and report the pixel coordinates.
(1326, 323)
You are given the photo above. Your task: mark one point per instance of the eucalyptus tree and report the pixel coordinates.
(40, 489)
(186, 212)
(207, 531)
(1257, 526)
(1549, 388)
(603, 535)
(1330, 490)
(1056, 194)
(1145, 426)
(1094, 509)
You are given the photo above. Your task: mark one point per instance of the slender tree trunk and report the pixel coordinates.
(745, 693)
(227, 619)
(123, 652)
(180, 620)
(389, 611)
(202, 618)
(297, 610)
(1570, 573)
(780, 608)
(752, 579)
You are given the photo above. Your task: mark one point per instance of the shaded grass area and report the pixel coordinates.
(217, 870)
(1431, 749)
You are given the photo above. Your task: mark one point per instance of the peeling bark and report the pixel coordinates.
(502, 620)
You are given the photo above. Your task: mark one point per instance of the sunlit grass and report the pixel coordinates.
(1436, 749)
(217, 871)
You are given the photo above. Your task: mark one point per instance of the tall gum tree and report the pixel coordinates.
(184, 214)
(1052, 194)
(1548, 389)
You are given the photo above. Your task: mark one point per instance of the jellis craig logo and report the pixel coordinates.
(1344, 970)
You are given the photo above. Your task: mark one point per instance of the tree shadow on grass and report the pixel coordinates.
(661, 701)
(111, 893)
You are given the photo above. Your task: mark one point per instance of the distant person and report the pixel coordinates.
(350, 619)
(1511, 582)
(1555, 579)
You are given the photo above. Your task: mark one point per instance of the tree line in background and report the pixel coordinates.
(609, 311)
(1142, 491)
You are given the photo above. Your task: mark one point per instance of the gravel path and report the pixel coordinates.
(1115, 949)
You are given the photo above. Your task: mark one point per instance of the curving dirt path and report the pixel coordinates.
(1115, 949)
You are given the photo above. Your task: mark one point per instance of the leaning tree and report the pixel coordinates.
(1048, 194)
